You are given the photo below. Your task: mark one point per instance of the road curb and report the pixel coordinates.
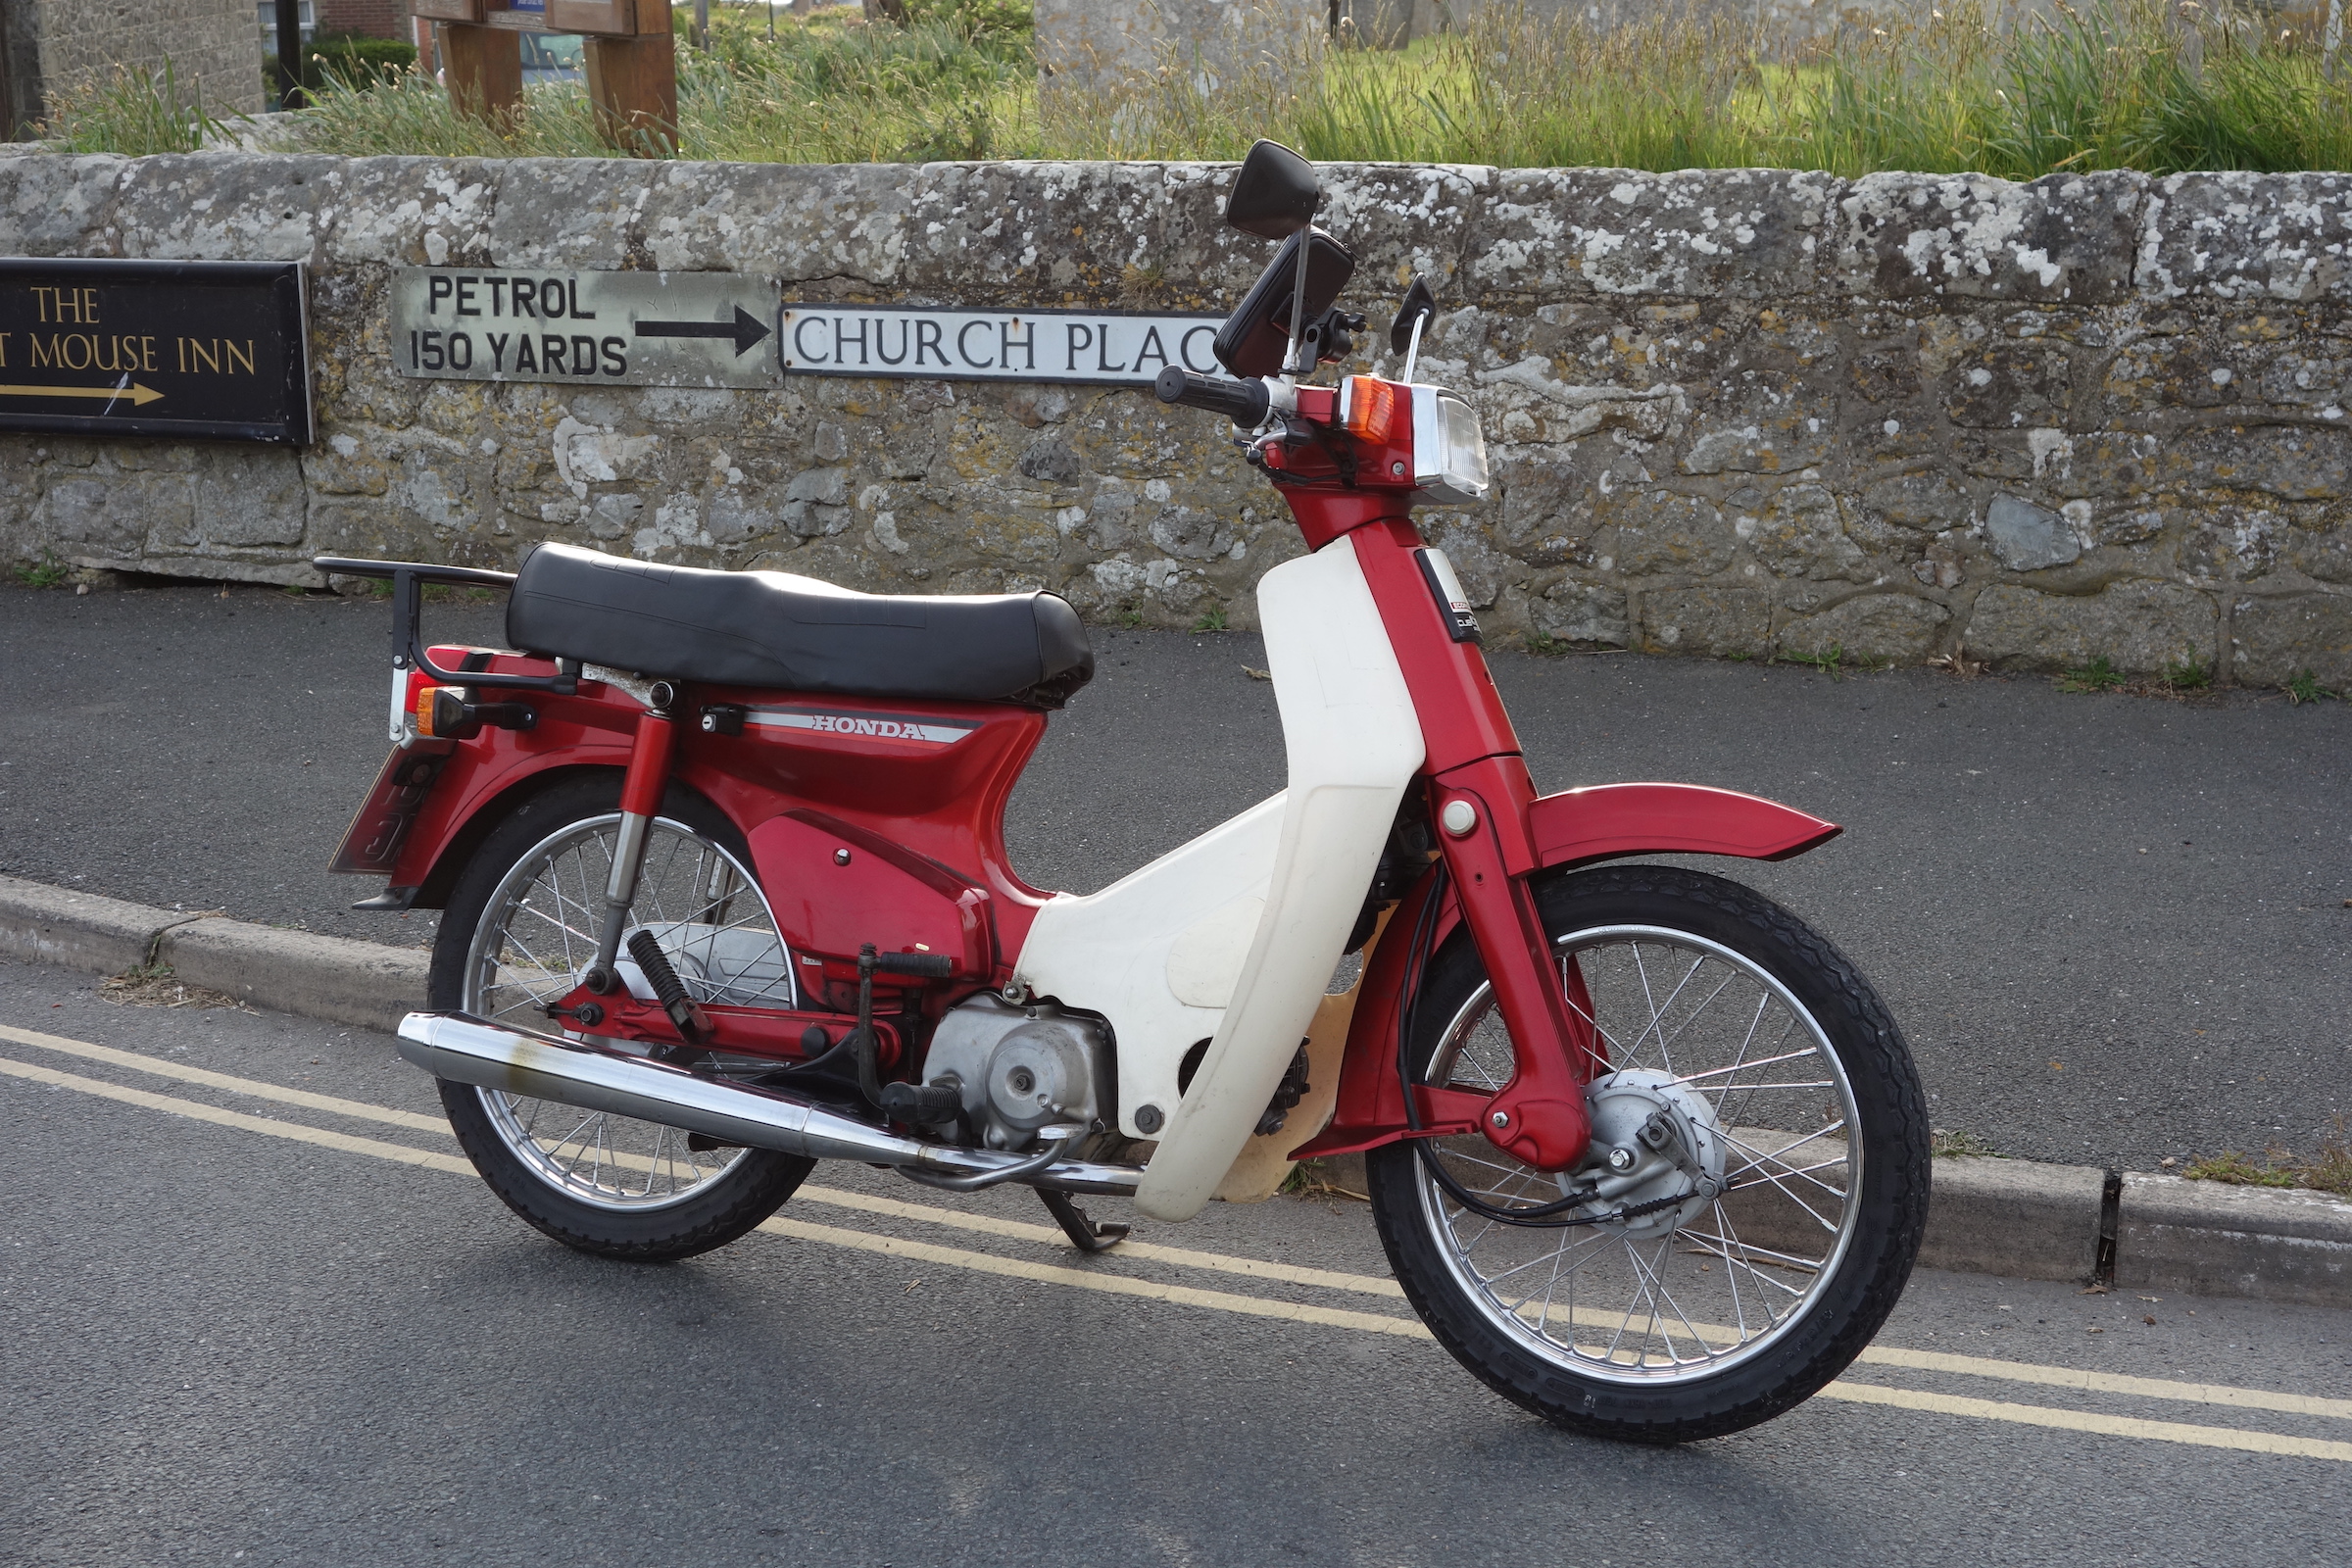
(332, 978)
(2204, 1239)
(78, 930)
(2014, 1218)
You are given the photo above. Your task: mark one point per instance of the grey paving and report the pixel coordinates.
(2115, 928)
(227, 1347)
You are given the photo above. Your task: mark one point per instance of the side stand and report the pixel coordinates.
(1083, 1232)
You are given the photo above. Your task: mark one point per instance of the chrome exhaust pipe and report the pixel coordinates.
(466, 1049)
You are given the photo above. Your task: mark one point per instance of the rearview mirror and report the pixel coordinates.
(1420, 308)
(1276, 193)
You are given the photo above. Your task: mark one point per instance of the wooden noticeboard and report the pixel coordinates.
(180, 349)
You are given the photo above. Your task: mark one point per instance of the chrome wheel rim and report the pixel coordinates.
(1735, 1278)
(538, 933)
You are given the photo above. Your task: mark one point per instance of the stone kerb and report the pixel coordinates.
(1737, 411)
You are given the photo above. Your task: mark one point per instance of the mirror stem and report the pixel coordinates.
(1412, 350)
(1289, 359)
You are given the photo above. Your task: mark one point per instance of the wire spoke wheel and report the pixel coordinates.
(538, 936)
(1643, 1304)
(1752, 1199)
(521, 931)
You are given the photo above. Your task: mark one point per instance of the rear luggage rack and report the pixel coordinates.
(408, 579)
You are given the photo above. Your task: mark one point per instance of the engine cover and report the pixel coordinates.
(1021, 1068)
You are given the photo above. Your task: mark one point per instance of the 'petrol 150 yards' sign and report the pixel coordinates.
(720, 329)
(209, 348)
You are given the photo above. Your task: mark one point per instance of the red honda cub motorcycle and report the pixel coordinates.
(725, 890)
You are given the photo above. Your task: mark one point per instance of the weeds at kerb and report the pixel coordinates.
(2306, 688)
(2327, 1171)
(2099, 675)
(1945, 1143)
(46, 572)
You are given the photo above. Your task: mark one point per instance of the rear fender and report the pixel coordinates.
(470, 798)
(1573, 828)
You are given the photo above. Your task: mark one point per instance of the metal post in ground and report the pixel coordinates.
(289, 54)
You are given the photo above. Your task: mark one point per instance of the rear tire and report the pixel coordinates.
(609, 1185)
(1709, 1316)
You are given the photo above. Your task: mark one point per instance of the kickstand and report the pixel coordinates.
(1083, 1233)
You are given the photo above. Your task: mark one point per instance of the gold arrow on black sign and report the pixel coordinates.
(139, 396)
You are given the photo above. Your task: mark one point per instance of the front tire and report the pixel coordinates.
(520, 929)
(1724, 1016)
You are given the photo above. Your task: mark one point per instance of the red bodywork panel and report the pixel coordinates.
(913, 791)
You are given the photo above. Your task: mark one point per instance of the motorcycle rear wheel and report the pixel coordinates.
(520, 928)
(1728, 1015)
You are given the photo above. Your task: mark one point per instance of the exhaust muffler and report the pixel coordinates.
(466, 1049)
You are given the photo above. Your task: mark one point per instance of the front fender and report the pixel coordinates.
(1609, 821)
(1575, 827)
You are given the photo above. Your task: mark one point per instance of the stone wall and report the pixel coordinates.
(214, 47)
(1732, 413)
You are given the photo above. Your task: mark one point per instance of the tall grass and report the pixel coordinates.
(134, 111)
(2160, 86)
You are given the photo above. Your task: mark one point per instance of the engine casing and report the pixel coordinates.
(1022, 1068)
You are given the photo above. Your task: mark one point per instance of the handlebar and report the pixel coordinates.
(1245, 403)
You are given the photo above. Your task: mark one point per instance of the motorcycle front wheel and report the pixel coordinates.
(1772, 1138)
(521, 929)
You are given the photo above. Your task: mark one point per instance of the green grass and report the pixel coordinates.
(2117, 84)
(134, 112)
(2187, 674)
(2327, 1171)
(1946, 1144)
(2306, 688)
(47, 573)
(2099, 675)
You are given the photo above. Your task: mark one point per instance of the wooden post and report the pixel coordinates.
(482, 68)
(632, 69)
(633, 82)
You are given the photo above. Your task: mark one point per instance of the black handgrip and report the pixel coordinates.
(929, 966)
(1243, 402)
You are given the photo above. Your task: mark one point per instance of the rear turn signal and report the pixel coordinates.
(444, 714)
(439, 711)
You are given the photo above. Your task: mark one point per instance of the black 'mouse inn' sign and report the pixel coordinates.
(206, 349)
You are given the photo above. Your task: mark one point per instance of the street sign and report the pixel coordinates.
(608, 328)
(1118, 347)
(206, 349)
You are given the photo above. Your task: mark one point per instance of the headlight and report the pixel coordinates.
(1450, 451)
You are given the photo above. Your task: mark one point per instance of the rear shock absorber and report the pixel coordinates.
(669, 990)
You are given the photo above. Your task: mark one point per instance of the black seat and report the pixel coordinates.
(769, 628)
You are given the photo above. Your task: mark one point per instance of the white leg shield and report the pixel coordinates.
(1354, 741)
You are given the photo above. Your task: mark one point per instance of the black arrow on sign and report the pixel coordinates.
(747, 330)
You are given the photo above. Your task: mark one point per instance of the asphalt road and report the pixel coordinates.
(2114, 927)
(292, 1333)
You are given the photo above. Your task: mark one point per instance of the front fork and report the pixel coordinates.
(1539, 1118)
(640, 801)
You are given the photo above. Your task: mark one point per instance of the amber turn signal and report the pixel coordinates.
(1368, 406)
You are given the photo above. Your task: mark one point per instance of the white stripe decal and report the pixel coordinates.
(931, 731)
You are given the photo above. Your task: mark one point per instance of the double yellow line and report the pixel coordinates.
(1105, 1282)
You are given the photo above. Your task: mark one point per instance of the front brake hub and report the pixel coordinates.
(1657, 1154)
